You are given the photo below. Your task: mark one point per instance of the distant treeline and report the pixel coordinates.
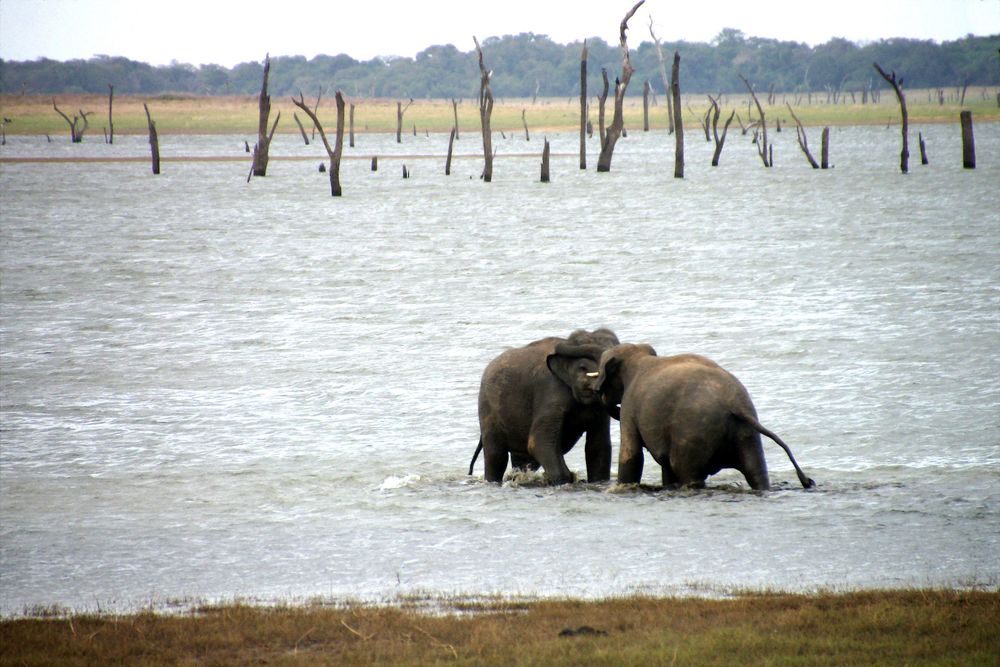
(526, 65)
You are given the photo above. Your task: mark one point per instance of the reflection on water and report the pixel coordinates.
(216, 389)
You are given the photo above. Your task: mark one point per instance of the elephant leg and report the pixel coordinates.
(750, 457)
(630, 454)
(495, 454)
(598, 452)
(544, 445)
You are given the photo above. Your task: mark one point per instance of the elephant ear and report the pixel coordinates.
(561, 366)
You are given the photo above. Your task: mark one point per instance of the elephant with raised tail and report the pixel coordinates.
(536, 401)
(693, 416)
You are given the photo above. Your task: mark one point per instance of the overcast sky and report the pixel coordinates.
(227, 32)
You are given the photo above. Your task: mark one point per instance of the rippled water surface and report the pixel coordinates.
(216, 389)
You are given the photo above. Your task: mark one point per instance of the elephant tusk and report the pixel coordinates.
(593, 375)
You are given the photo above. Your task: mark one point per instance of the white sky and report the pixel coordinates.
(227, 32)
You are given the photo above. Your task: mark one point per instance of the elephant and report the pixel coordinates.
(536, 401)
(693, 416)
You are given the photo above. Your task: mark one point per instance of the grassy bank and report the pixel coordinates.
(866, 628)
(33, 114)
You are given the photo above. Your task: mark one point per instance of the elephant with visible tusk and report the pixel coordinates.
(536, 401)
(693, 416)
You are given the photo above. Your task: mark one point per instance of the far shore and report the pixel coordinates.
(188, 114)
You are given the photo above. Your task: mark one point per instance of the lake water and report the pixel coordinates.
(214, 389)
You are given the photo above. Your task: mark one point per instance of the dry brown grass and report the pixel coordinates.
(867, 628)
(179, 114)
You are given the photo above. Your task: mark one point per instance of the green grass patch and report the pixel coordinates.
(922, 627)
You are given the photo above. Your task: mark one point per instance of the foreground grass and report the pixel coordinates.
(866, 628)
(176, 114)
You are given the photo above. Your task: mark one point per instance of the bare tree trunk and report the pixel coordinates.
(583, 106)
(803, 141)
(485, 112)
(400, 110)
(333, 153)
(621, 84)
(763, 148)
(302, 130)
(545, 161)
(454, 109)
(154, 142)
(111, 123)
(374, 163)
(675, 92)
(602, 101)
(923, 148)
(260, 150)
(897, 85)
(968, 141)
(351, 132)
(825, 150)
(451, 145)
(645, 106)
(663, 74)
(524, 120)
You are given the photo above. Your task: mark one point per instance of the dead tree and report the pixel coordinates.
(663, 74)
(400, 110)
(824, 160)
(897, 85)
(451, 145)
(583, 106)
(319, 96)
(260, 149)
(333, 153)
(719, 141)
(601, 104)
(545, 161)
(621, 84)
(923, 148)
(763, 148)
(111, 123)
(454, 109)
(302, 130)
(351, 132)
(524, 120)
(154, 141)
(801, 134)
(75, 132)
(645, 106)
(675, 92)
(485, 112)
(968, 141)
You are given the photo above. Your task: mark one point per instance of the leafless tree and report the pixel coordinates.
(897, 86)
(261, 148)
(333, 153)
(763, 148)
(621, 84)
(485, 112)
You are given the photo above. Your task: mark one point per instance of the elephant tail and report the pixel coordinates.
(475, 455)
(807, 483)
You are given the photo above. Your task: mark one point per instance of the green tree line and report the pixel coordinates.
(528, 64)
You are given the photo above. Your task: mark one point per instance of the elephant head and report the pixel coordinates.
(575, 362)
(609, 383)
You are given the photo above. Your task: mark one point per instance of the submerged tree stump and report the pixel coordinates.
(968, 141)
(333, 153)
(261, 148)
(154, 141)
(111, 122)
(675, 93)
(923, 148)
(451, 145)
(545, 161)
(824, 160)
(400, 110)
